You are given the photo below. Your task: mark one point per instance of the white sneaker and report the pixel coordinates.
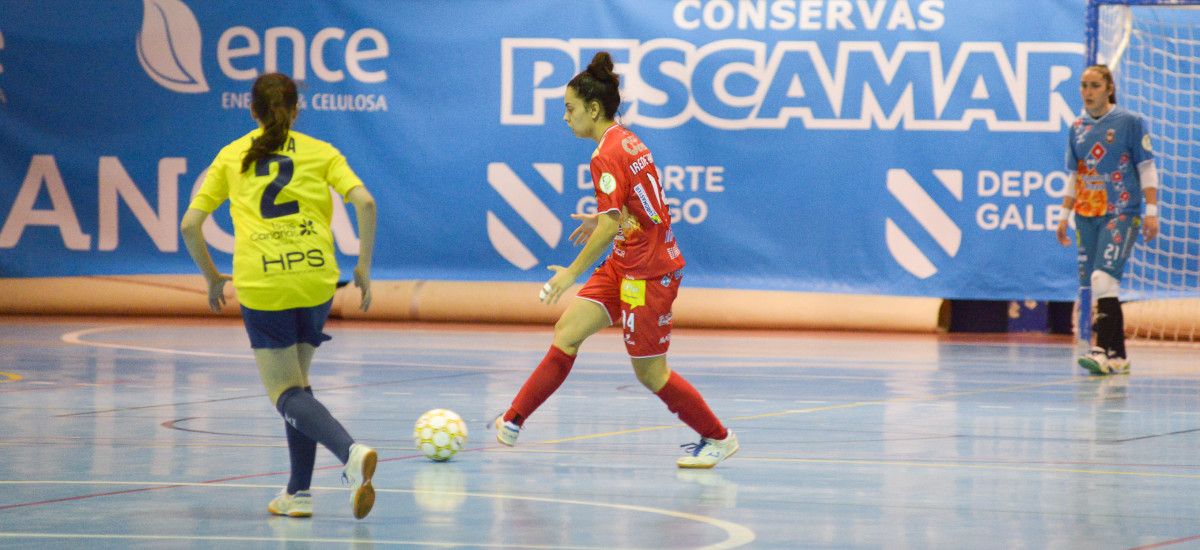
(1095, 362)
(1118, 365)
(358, 472)
(709, 452)
(298, 505)
(506, 432)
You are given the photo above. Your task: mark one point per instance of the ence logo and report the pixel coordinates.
(931, 217)
(170, 50)
(168, 46)
(525, 202)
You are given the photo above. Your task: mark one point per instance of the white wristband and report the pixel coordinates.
(1151, 210)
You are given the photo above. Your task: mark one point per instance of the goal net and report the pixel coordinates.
(1153, 50)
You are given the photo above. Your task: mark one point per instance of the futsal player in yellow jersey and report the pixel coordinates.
(284, 270)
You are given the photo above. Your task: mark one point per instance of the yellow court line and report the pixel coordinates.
(916, 464)
(962, 466)
(10, 376)
(788, 412)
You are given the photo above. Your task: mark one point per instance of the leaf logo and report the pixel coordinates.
(531, 209)
(168, 46)
(929, 214)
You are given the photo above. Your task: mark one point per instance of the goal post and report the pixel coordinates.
(1152, 48)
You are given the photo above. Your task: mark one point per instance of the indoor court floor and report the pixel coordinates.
(155, 433)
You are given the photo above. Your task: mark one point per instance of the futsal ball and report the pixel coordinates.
(440, 434)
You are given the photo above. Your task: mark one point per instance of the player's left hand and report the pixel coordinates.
(587, 224)
(557, 285)
(216, 292)
(362, 280)
(1150, 227)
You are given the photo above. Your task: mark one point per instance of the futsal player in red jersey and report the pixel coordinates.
(636, 284)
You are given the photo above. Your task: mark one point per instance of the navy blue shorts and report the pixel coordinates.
(288, 327)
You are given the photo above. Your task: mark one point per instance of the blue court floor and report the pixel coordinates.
(119, 433)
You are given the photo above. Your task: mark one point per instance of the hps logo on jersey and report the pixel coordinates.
(526, 204)
(926, 211)
(168, 46)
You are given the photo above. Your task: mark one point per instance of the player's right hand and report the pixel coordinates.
(216, 292)
(362, 280)
(1061, 233)
(557, 285)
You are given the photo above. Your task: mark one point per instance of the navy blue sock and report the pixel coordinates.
(1110, 326)
(303, 452)
(312, 419)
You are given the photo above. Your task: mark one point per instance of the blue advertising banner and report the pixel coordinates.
(900, 147)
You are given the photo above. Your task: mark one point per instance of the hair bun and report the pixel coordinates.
(601, 67)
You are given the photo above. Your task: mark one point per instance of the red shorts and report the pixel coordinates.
(643, 307)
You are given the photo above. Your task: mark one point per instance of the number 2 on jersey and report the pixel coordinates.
(267, 206)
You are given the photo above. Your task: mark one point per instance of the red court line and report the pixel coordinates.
(1167, 543)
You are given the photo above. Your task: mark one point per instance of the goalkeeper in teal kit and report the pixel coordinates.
(1111, 163)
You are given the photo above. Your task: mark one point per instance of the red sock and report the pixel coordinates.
(546, 378)
(683, 400)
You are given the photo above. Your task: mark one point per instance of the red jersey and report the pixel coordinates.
(626, 181)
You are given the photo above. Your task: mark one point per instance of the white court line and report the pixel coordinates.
(737, 535)
(721, 370)
(1123, 411)
(1060, 409)
(285, 538)
(995, 407)
(76, 338)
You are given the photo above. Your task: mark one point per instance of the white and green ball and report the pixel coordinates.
(439, 434)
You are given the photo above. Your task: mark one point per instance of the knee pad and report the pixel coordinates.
(1104, 285)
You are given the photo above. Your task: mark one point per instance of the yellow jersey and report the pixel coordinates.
(283, 254)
